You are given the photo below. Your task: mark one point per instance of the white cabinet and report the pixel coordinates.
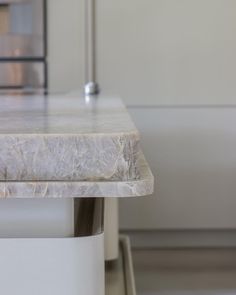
(52, 266)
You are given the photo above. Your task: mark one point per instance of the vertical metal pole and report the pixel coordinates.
(111, 229)
(91, 86)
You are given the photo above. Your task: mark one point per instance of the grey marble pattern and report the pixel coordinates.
(66, 138)
(141, 186)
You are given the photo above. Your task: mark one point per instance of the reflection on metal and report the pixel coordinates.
(89, 216)
(119, 273)
(16, 46)
(91, 88)
(4, 20)
(23, 40)
(22, 29)
(21, 75)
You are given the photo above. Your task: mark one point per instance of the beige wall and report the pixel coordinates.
(65, 39)
(150, 51)
(168, 51)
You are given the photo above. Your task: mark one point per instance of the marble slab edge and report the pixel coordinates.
(61, 138)
(142, 186)
(69, 157)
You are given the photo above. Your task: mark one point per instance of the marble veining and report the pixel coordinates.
(76, 189)
(66, 138)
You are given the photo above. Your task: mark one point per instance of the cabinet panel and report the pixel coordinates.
(192, 154)
(167, 51)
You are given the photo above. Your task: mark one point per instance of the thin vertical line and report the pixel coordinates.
(45, 47)
(90, 41)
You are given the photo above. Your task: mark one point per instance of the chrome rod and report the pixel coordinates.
(91, 86)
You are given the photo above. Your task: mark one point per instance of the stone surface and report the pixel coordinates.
(66, 138)
(76, 189)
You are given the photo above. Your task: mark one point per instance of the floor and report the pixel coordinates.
(185, 272)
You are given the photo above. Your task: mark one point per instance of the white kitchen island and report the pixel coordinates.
(60, 158)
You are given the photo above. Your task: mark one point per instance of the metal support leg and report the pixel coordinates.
(91, 86)
(111, 229)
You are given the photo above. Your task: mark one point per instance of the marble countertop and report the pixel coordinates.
(63, 115)
(69, 146)
(142, 186)
(66, 138)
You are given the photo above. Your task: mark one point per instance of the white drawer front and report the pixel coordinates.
(68, 266)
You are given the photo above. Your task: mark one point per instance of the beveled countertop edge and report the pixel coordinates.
(82, 189)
